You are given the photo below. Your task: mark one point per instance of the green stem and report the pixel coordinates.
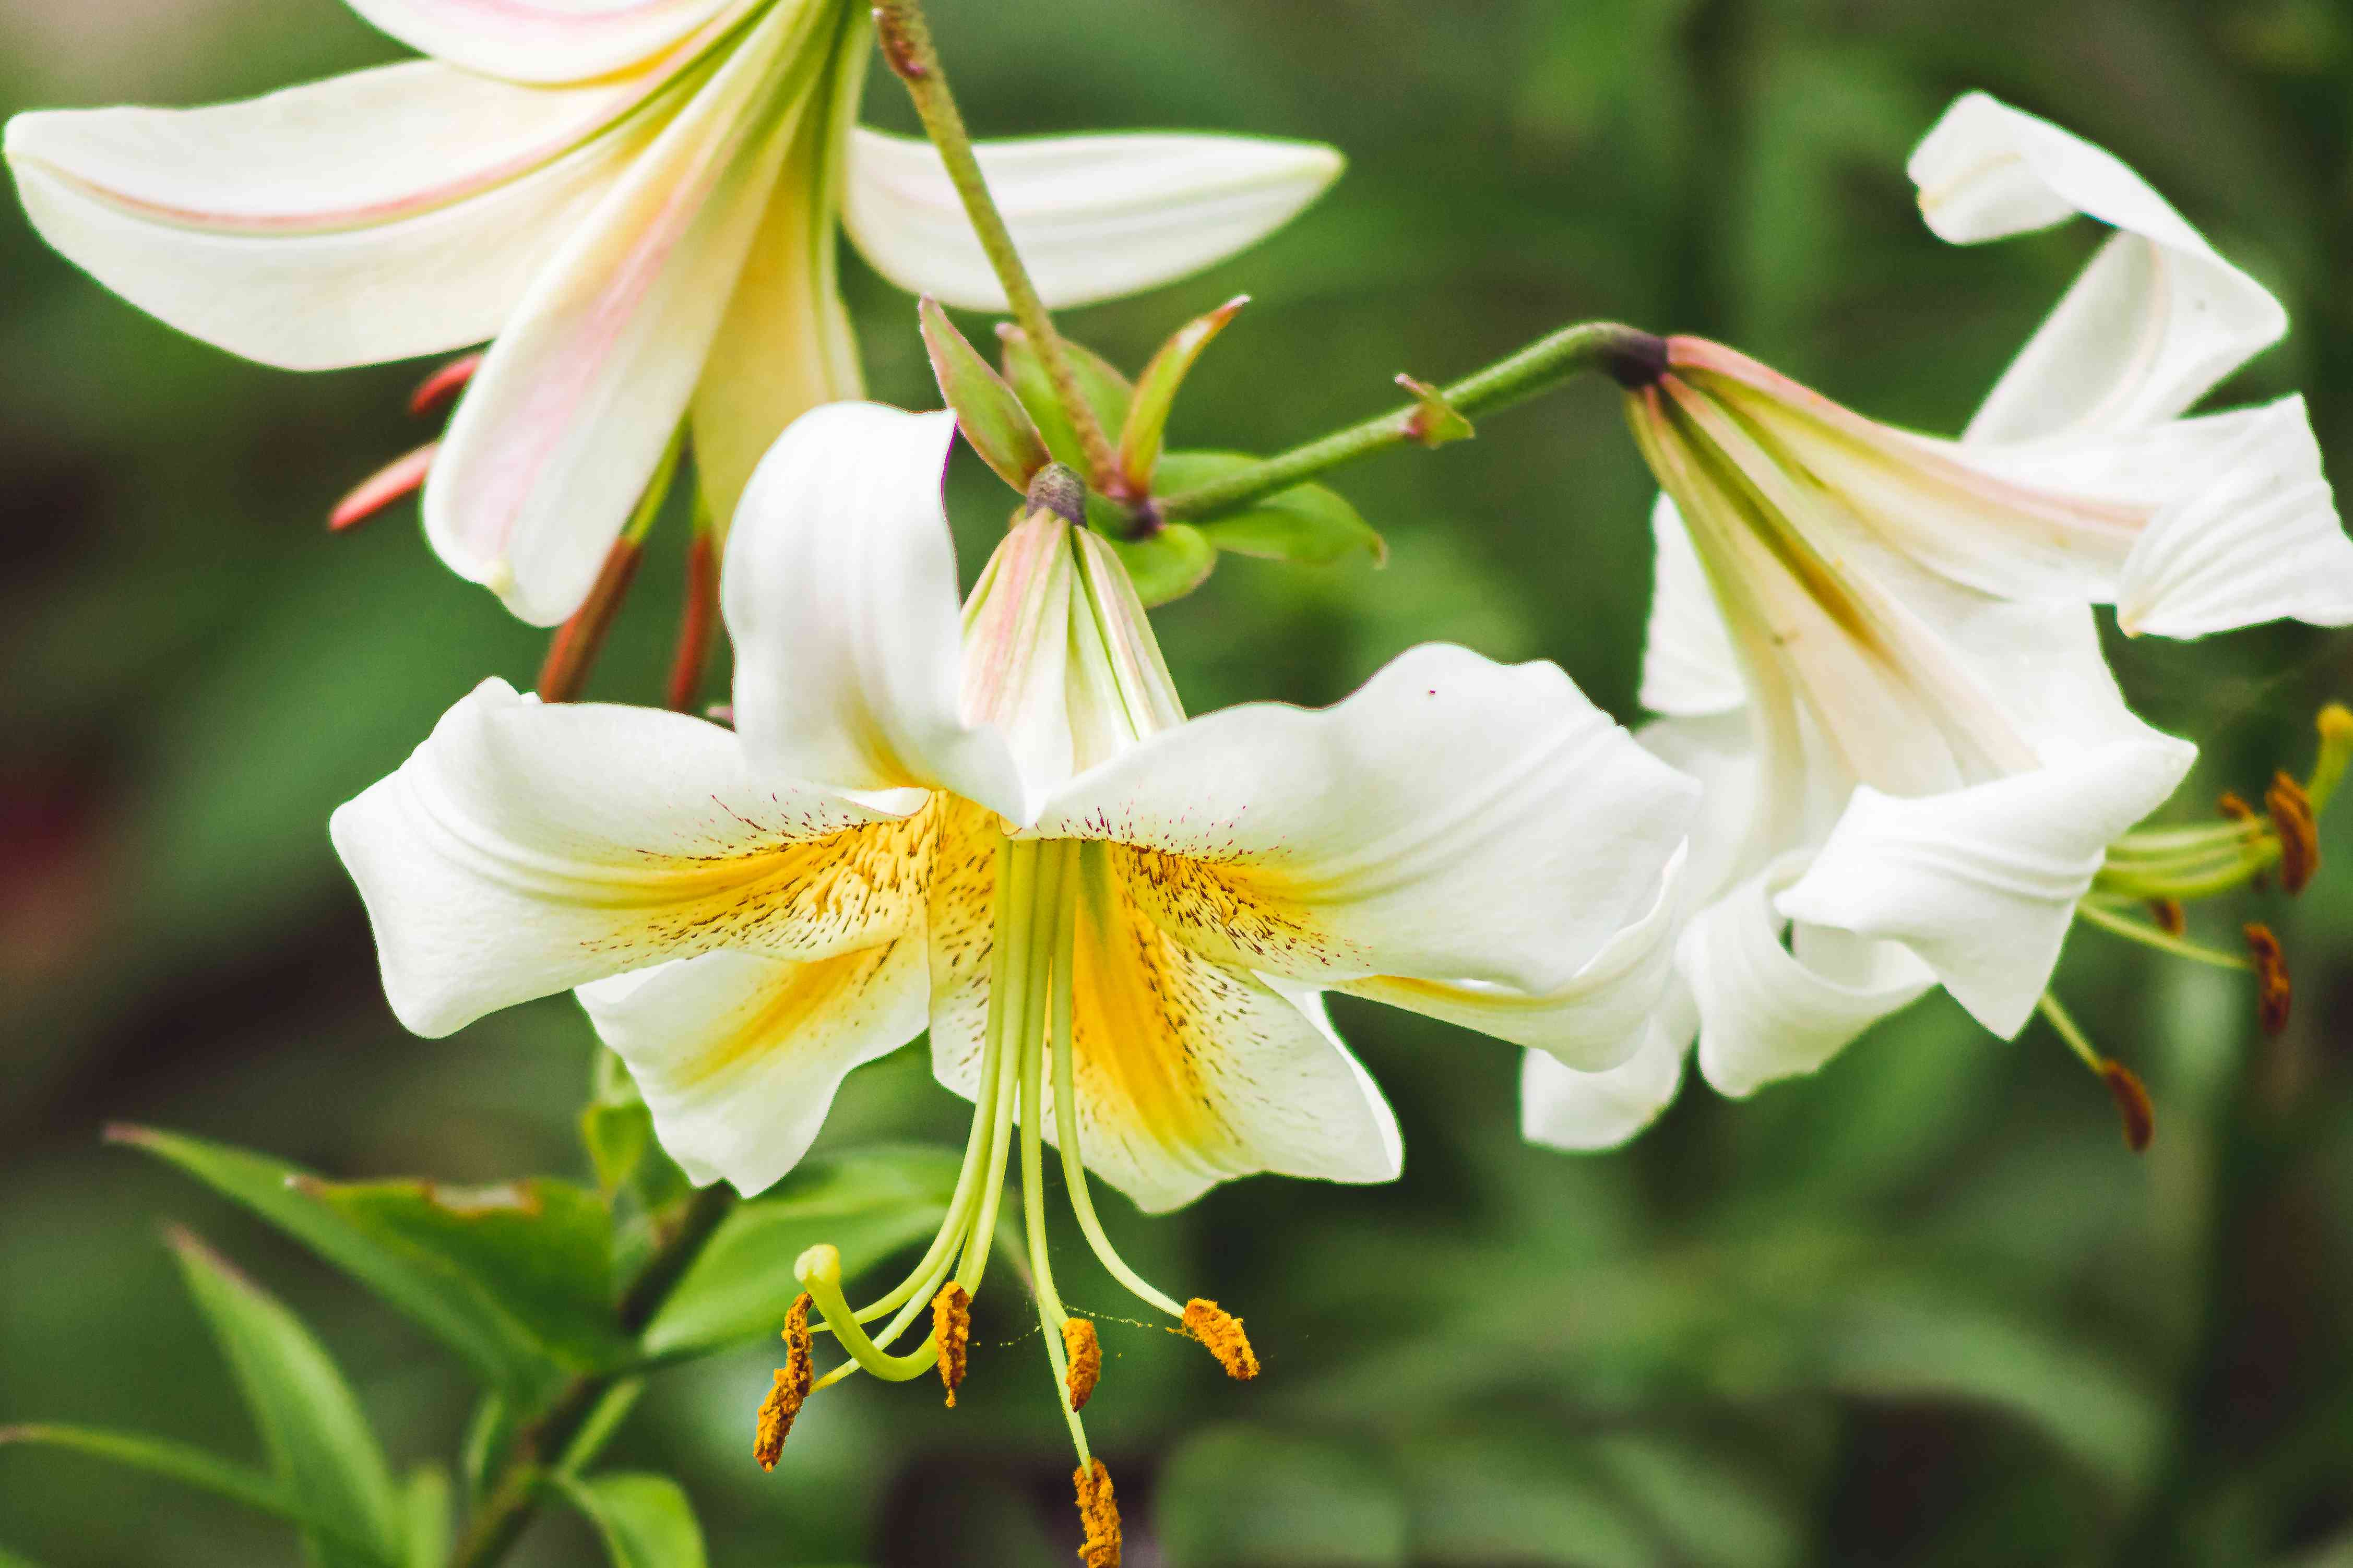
(510, 1500)
(1539, 367)
(906, 39)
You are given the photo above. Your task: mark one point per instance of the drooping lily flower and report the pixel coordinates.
(1116, 922)
(1876, 649)
(637, 202)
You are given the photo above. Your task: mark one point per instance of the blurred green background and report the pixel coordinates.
(1923, 1309)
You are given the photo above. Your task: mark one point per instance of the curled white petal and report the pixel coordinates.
(2154, 322)
(1769, 1011)
(384, 213)
(525, 850)
(1982, 882)
(1093, 216)
(582, 392)
(2261, 542)
(544, 40)
(739, 1055)
(1582, 1111)
(1455, 819)
(840, 591)
(1688, 665)
(1595, 1022)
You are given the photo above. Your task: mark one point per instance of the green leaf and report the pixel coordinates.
(645, 1520)
(986, 410)
(1238, 1496)
(1102, 388)
(1155, 392)
(870, 1205)
(491, 1340)
(1310, 523)
(537, 1251)
(490, 1433)
(1168, 565)
(425, 1516)
(1489, 1499)
(603, 1421)
(173, 1461)
(11, 1560)
(319, 1441)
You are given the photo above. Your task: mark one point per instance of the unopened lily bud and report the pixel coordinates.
(1085, 1354)
(1222, 1332)
(791, 1390)
(2273, 992)
(2132, 1103)
(2298, 834)
(1099, 1513)
(952, 1327)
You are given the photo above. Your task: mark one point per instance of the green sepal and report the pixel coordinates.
(991, 417)
(321, 1448)
(491, 1339)
(1168, 565)
(1155, 394)
(1104, 390)
(1310, 524)
(537, 1251)
(870, 1203)
(644, 1521)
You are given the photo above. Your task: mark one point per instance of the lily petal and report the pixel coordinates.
(2149, 327)
(1188, 1072)
(739, 1056)
(1982, 882)
(388, 213)
(2261, 542)
(1094, 216)
(1455, 820)
(840, 591)
(578, 398)
(785, 345)
(1688, 665)
(1766, 1011)
(543, 40)
(525, 850)
(1582, 1111)
(1598, 1021)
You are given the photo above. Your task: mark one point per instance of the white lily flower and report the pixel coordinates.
(1875, 649)
(1117, 920)
(637, 201)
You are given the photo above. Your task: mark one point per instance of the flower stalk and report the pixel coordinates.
(906, 40)
(1621, 352)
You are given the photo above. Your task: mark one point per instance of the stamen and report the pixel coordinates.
(952, 1330)
(1099, 1514)
(1085, 1354)
(2298, 834)
(2151, 936)
(402, 476)
(791, 1390)
(2273, 992)
(1222, 1332)
(820, 1270)
(2232, 805)
(2124, 1085)
(2132, 1103)
(2167, 914)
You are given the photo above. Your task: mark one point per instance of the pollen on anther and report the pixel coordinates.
(1222, 1332)
(2168, 916)
(2132, 1103)
(2273, 992)
(791, 1390)
(2298, 834)
(1099, 1513)
(952, 1327)
(1085, 1354)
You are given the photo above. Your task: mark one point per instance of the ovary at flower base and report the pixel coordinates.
(637, 203)
(1877, 650)
(1116, 922)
